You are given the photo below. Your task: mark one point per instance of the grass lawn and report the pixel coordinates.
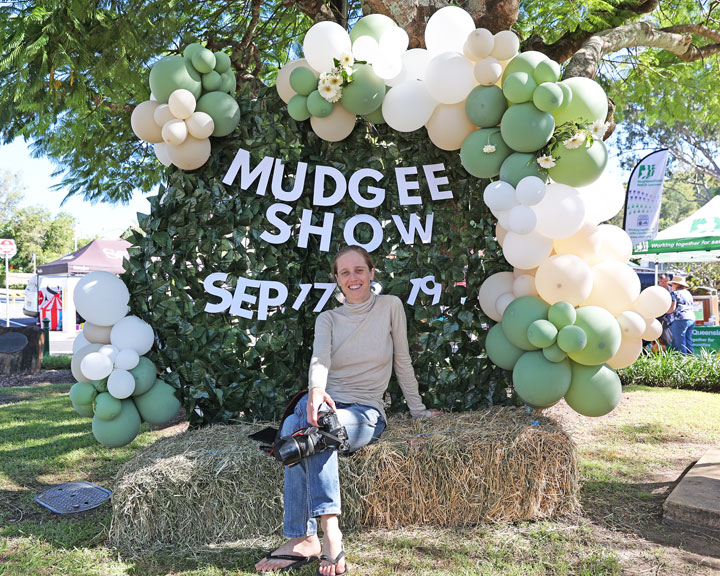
(629, 462)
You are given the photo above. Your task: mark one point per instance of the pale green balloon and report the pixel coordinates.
(580, 166)
(107, 406)
(373, 25)
(375, 117)
(172, 73)
(524, 62)
(539, 382)
(159, 404)
(82, 393)
(542, 333)
(562, 314)
(594, 390)
(548, 97)
(547, 71)
(554, 353)
(365, 93)
(228, 82)
(222, 62)
(223, 109)
(211, 81)
(499, 349)
(85, 410)
(298, 108)
(518, 317)
(519, 165)
(479, 163)
(144, 374)
(525, 128)
(303, 81)
(485, 106)
(572, 339)
(191, 49)
(588, 103)
(119, 431)
(603, 335)
(318, 106)
(203, 60)
(519, 87)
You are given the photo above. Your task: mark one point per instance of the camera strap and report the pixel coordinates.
(268, 436)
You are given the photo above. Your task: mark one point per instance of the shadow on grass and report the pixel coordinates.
(236, 560)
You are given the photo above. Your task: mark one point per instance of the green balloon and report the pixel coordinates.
(365, 93)
(518, 316)
(562, 314)
(548, 97)
(211, 81)
(499, 349)
(172, 73)
(524, 62)
(572, 339)
(100, 385)
(603, 335)
(542, 333)
(518, 165)
(106, 406)
(222, 62)
(519, 87)
(594, 390)
(228, 82)
(191, 49)
(298, 108)
(145, 375)
(477, 162)
(375, 117)
(580, 166)
(158, 405)
(203, 60)
(547, 71)
(485, 106)
(554, 353)
(372, 25)
(525, 128)
(303, 81)
(539, 382)
(588, 103)
(85, 410)
(82, 393)
(567, 97)
(223, 109)
(318, 106)
(119, 431)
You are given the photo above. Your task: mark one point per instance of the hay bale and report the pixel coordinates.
(214, 485)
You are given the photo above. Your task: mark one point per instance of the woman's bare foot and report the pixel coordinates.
(307, 547)
(332, 547)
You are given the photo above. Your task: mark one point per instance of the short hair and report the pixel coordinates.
(663, 276)
(345, 249)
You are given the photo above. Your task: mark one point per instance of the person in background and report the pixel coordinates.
(682, 316)
(666, 337)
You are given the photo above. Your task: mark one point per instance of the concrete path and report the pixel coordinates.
(695, 501)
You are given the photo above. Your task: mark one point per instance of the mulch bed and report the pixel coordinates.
(40, 378)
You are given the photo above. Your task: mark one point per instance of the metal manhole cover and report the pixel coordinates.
(72, 497)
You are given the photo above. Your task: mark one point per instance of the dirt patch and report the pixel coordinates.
(40, 378)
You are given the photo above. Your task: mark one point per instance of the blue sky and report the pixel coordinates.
(107, 220)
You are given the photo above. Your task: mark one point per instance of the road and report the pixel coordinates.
(60, 342)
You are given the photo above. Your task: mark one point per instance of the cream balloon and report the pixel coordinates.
(449, 78)
(191, 154)
(506, 45)
(77, 359)
(175, 132)
(488, 71)
(162, 153)
(564, 278)
(652, 302)
(480, 43)
(96, 334)
(79, 342)
(200, 125)
(585, 243)
(526, 250)
(560, 213)
(631, 324)
(162, 115)
(121, 384)
(101, 298)
(143, 122)
(604, 198)
(447, 29)
(615, 244)
(449, 126)
(182, 103)
(628, 352)
(522, 219)
(653, 330)
(517, 272)
(615, 287)
(323, 42)
(500, 233)
(282, 83)
(503, 302)
(491, 289)
(336, 126)
(524, 285)
(408, 106)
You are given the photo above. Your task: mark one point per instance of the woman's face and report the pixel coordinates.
(354, 277)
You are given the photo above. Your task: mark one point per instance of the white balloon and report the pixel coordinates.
(503, 302)
(414, 63)
(526, 250)
(96, 366)
(394, 41)
(387, 66)
(191, 154)
(561, 212)
(121, 384)
(603, 199)
(282, 84)
(447, 29)
(110, 351)
(162, 153)
(631, 324)
(480, 43)
(503, 217)
(499, 196)
(182, 103)
(524, 285)
(408, 106)
(175, 132)
(530, 190)
(200, 125)
(96, 334)
(449, 77)
(522, 219)
(323, 42)
(78, 357)
(79, 342)
(134, 333)
(143, 122)
(488, 71)
(336, 126)
(101, 298)
(127, 359)
(365, 48)
(506, 45)
(491, 289)
(162, 115)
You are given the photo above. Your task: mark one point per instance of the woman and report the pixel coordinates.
(356, 348)
(682, 316)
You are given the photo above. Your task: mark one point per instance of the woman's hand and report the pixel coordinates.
(432, 413)
(315, 399)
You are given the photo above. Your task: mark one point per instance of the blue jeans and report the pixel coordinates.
(682, 331)
(312, 487)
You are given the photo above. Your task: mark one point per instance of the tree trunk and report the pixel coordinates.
(21, 350)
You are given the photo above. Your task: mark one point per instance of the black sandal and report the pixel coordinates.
(334, 561)
(299, 561)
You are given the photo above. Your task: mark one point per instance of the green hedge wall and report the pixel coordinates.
(226, 367)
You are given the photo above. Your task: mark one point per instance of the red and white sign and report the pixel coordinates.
(7, 247)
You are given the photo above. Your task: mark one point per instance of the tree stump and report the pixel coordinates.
(21, 349)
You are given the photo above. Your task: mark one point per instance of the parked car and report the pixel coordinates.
(30, 308)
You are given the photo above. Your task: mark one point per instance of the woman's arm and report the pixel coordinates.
(319, 367)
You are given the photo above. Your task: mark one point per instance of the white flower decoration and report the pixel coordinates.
(574, 142)
(334, 80)
(346, 60)
(546, 162)
(599, 128)
(488, 149)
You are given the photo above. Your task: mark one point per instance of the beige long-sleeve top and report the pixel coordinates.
(355, 350)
